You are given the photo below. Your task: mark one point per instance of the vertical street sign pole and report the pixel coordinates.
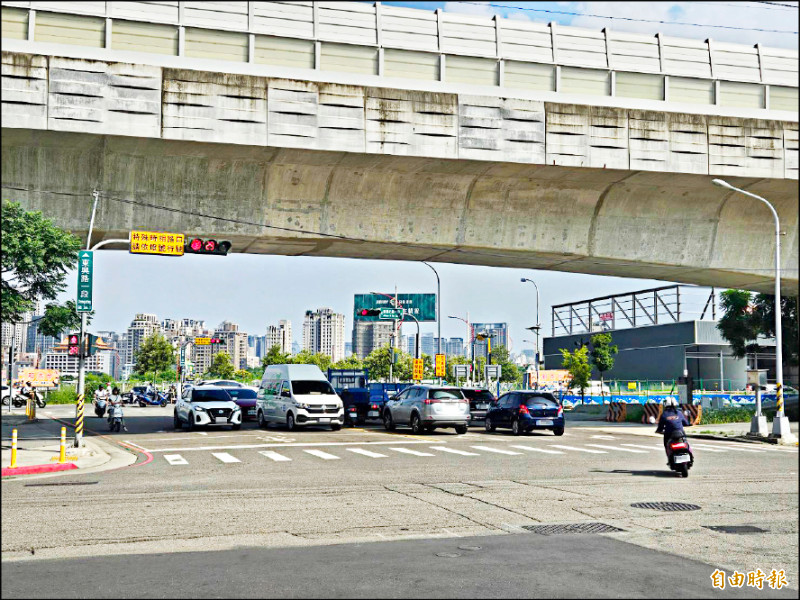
(81, 358)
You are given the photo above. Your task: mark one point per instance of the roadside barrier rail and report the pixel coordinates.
(652, 410)
(694, 413)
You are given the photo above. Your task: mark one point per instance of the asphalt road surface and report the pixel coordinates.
(317, 513)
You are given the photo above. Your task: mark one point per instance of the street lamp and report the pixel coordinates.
(470, 335)
(536, 327)
(438, 310)
(780, 425)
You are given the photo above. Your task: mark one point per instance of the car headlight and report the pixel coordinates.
(200, 408)
(302, 405)
(237, 408)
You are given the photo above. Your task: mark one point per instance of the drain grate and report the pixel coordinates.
(740, 529)
(572, 528)
(666, 506)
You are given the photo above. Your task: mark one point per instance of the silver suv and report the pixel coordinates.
(426, 407)
(206, 405)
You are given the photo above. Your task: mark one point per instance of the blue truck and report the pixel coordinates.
(363, 401)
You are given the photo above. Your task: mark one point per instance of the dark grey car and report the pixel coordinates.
(427, 407)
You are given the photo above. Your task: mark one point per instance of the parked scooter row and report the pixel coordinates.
(18, 400)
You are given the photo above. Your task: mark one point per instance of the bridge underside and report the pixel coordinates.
(668, 226)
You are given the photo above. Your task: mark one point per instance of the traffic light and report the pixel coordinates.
(74, 344)
(210, 247)
(369, 312)
(91, 345)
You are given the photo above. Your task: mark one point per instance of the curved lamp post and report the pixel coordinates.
(535, 328)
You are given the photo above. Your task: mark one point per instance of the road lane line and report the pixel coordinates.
(734, 445)
(490, 449)
(225, 457)
(724, 448)
(130, 443)
(176, 459)
(322, 455)
(453, 451)
(578, 449)
(617, 448)
(274, 456)
(409, 451)
(604, 437)
(366, 452)
(653, 447)
(289, 445)
(532, 449)
(706, 448)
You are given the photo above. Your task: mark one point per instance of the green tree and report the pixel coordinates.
(274, 356)
(59, 319)
(221, 366)
(602, 354)
(454, 360)
(351, 362)
(304, 357)
(738, 325)
(35, 258)
(510, 373)
(154, 355)
(242, 375)
(764, 315)
(379, 360)
(580, 371)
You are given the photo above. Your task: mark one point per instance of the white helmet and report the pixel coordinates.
(670, 403)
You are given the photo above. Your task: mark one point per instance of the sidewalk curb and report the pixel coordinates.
(744, 439)
(32, 469)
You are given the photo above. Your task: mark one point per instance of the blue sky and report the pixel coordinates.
(255, 291)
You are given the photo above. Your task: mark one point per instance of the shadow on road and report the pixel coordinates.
(647, 473)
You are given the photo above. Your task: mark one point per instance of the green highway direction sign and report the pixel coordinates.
(85, 263)
(421, 306)
(390, 314)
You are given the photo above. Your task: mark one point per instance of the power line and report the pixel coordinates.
(438, 249)
(560, 12)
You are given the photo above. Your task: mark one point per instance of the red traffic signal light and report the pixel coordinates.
(369, 312)
(74, 344)
(201, 246)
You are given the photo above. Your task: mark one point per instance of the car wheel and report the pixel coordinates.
(143, 404)
(416, 424)
(430, 428)
(236, 426)
(488, 425)
(516, 429)
(262, 422)
(388, 423)
(290, 424)
(461, 429)
(176, 422)
(335, 426)
(558, 431)
(190, 425)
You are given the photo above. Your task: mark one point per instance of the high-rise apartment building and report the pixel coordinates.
(370, 335)
(323, 332)
(234, 343)
(141, 328)
(498, 332)
(455, 346)
(279, 335)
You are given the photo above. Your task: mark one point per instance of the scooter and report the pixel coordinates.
(160, 399)
(679, 456)
(18, 400)
(100, 407)
(115, 417)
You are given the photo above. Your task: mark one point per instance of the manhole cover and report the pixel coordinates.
(666, 506)
(448, 554)
(469, 547)
(572, 528)
(736, 529)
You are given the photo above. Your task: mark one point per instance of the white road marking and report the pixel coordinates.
(453, 451)
(604, 437)
(366, 452)
(490, 449)
(762, 448)
(726, 447)
(322, 455)
(201, 433)
(641, 446)
(409, 451)
(291, 445)
(175, 459)
(225, 457)
(706, 448)
(274, 455)
(137, 445)
(532, 449)
(579, 449)
(617, 448)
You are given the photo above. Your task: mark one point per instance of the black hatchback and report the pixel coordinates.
(480, 399)
(524, 411)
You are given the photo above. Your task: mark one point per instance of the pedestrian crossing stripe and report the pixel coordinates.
(616, 448)
(729, 448)
(453, 451)
(274, 456)
(366, 452)
(176, 459)
(532, 449)
(497, 450)
(412, 452)
(225, 457)
(322, 455)
(579, 449)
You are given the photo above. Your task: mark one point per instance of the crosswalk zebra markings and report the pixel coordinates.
(579, 449)
(707, 448)
(274, 456)
(322, 455)
(453, 451)
(641, 446)
(729, 448)
(412, 452)
(489, 449)
(604, 437)
(366, 452)
(617, 448)
(531, 449)
(175, 459)
(225, 457)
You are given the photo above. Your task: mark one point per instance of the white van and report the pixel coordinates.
(298, 395)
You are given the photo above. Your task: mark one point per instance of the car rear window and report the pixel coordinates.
(302, 387)
(440, 394)
(546, 400)
(242, 393)
(478, 394)
(210, 396)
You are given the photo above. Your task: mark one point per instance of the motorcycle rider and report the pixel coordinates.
(115, 400)
(101, 393)
(27, 391)
(671, 423)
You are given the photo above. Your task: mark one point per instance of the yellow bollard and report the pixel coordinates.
(13, 449)
(62, 455)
